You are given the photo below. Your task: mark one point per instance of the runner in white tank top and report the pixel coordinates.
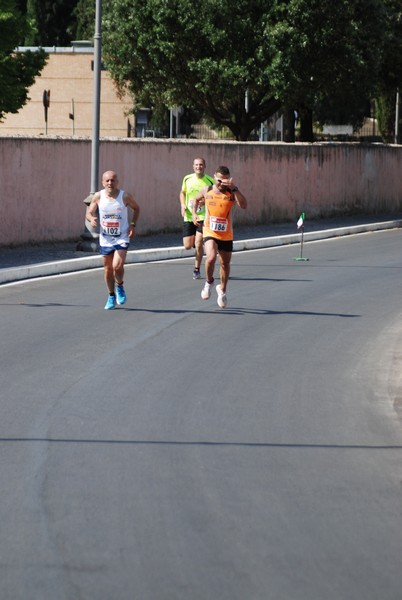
(115, 232)
(113, 221)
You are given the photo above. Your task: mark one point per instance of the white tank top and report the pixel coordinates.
(113, 221)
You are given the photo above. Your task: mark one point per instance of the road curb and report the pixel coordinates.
(19, 273)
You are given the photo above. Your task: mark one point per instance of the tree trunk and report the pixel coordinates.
(306, 125)
(289, 125)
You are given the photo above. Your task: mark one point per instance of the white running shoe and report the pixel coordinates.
(222, 300)
(206, 291)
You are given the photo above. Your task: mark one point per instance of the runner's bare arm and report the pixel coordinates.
(239, 198)
(92, 210)
(133, 204)
(182, 199)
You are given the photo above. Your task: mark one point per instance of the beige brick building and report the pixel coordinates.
(68, 75)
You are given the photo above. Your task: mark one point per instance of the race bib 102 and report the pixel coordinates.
(110, 227)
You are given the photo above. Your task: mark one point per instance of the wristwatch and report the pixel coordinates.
(235, 189)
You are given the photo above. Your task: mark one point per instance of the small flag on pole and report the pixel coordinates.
(300, 225)
(300, 221)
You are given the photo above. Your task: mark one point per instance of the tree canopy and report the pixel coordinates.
(210, 56)
(238, 62)
(84, 14)
(17, 70)
(327, 57)
(54, 21)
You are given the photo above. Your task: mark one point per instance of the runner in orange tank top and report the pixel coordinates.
(219, 200)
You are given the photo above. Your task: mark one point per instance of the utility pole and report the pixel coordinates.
(90, 236)
(96, 102)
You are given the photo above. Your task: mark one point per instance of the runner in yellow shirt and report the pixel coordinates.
(192, 235)
(219, 200)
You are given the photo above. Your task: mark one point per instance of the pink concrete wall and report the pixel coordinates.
(45, 181)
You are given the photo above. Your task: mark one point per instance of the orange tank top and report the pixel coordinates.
(218, 222)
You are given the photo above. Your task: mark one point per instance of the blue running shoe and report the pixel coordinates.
(120, 294)
(111, 303)
(196, 274)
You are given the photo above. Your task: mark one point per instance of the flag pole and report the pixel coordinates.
(300, 226)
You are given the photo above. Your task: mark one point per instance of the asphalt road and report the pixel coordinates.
(171, 450)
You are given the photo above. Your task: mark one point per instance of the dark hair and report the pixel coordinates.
(223, 170)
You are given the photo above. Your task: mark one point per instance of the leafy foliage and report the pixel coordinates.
(391, 65)
(313, 55)
(237, 63)
(328, 56)
(202, 55)
(385, 108)
(390, 78)
(54, 20)
(17, 71)
(84, 14)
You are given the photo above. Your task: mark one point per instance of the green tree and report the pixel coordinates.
(84, 14)
(54, 21)
(17, 70)
(207, 56)
(21, 6)
(59, 22)
(390, 75)
(328, 57)
(390, 78)
(385, 112)
(238, 62)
